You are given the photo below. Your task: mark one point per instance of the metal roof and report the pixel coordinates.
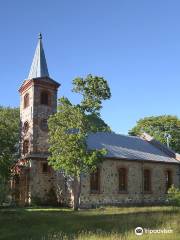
(128, 147)
(39, 66)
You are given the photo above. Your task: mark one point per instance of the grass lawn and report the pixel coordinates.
(105, 223)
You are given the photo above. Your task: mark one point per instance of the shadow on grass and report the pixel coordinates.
(29, 223)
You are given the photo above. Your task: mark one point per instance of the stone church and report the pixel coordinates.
(136, 170)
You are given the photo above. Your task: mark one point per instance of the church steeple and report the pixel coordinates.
(39, 66)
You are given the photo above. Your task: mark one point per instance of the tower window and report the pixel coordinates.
(168, 175)
(25, 146)
(147, 180)
(26, 127)
(45, 167)
(44, 125)
(44, 98)
(122, 179)
(26, 100)
(95, 181)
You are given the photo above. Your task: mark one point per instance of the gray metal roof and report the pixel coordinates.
(128, 147)
(39, 66)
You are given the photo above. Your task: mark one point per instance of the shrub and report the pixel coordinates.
(4, 190)
(174, 196)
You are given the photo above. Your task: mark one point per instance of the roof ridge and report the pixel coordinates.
(158, 144)
(119, 134)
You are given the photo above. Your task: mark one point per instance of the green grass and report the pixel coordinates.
(105, 223)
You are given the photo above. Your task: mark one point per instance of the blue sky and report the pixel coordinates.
(135, 45)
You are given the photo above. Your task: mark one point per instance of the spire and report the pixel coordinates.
(39, 65)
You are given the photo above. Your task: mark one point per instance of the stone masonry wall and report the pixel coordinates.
(41, 184)
(40, 113)
(34, 114)
(47, 188)
(109, 183)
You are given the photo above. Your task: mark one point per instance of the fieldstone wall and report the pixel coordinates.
(48, 188)
(40, 113)
(109, 184)
(43, 187)
(63, 189)
(41, 183)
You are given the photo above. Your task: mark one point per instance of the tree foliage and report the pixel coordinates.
(157, 127)
(174, 196)
(70, 126)
(94, 90)
(9, 138)
(68, 132)
(97, 124)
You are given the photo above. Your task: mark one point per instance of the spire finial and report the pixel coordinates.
(40, 36)
(39, 66)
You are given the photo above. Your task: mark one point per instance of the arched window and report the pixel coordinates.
(26, 127)
(44, 125)
(168, 176)
(147, 180)
(45, 98)
(25, 146)
(122, 180)
(26, 100)
(95, 181)
(46, 168)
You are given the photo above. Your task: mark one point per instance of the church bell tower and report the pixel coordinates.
(38, 100)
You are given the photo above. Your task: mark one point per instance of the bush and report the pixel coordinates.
(174, 196)
(4, 190)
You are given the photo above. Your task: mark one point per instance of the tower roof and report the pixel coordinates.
(39, 66)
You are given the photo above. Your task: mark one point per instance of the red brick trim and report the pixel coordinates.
(26, 100)
(99, 180)
(39, 82)
(25, 86)
(126, 179)
(171, 178)
(150, 180)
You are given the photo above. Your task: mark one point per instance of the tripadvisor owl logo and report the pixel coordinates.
(139, 231)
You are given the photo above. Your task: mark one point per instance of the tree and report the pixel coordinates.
(96, 124)
(94, 90)
(158, 127)
(9, 139)
(70, 126)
